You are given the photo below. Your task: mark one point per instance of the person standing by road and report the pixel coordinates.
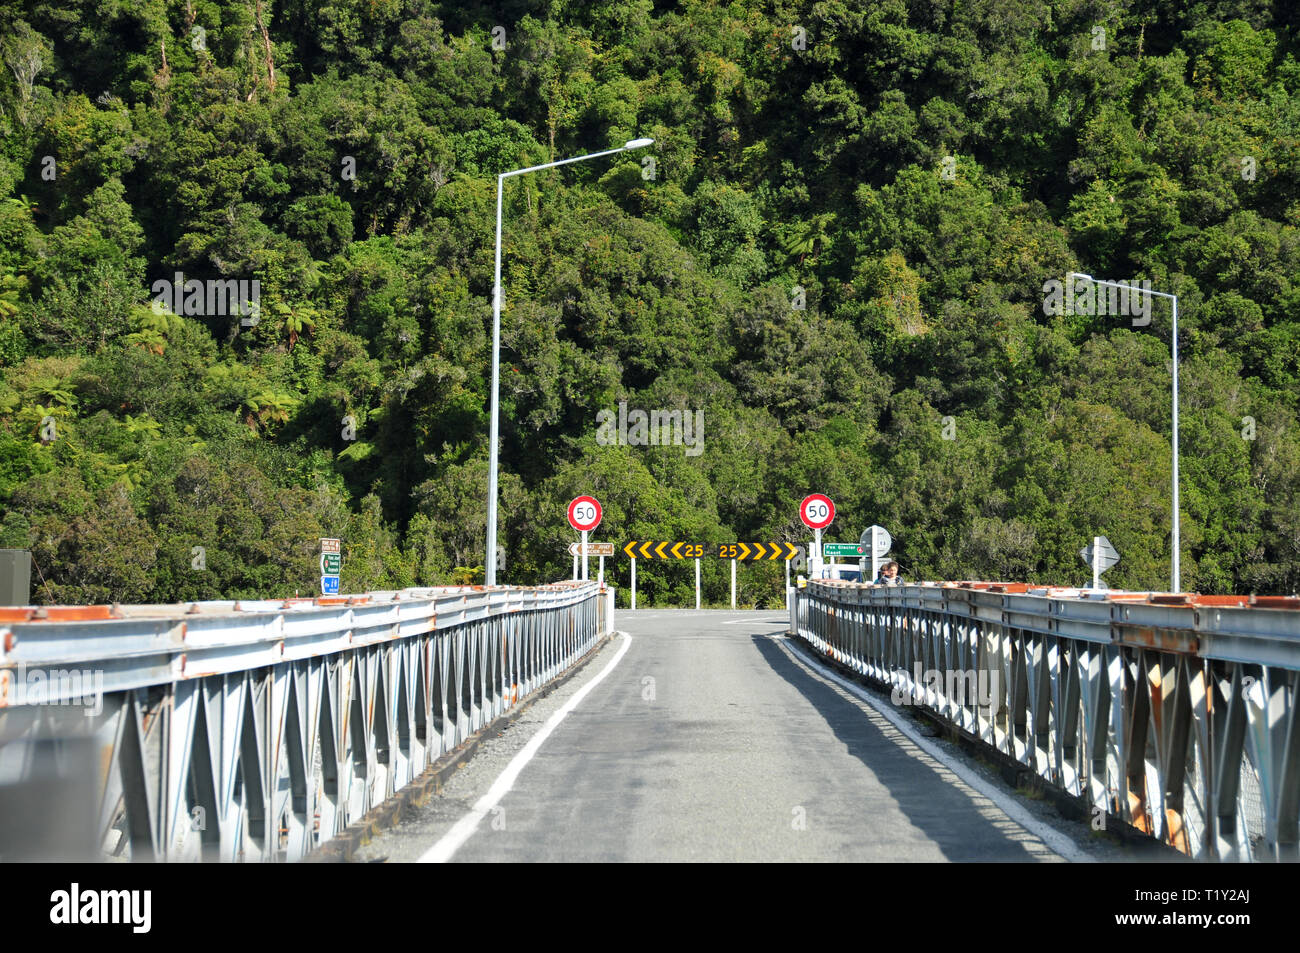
(889, 575)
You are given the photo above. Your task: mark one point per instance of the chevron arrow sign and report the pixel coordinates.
(748, 552)
(745, 552)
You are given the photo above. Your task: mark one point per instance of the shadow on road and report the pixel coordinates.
(945, 814)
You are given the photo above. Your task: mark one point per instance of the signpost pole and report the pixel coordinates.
(733, 584)
(600, 571)
(575, 567)
(584, 555)
(1096, 562)
(697, 583)
(817, 547)
(633, 582)
(875, 548)
(788, 590)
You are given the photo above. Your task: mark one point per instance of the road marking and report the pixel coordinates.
(463, 830)
(1054, 840)
(756, 622)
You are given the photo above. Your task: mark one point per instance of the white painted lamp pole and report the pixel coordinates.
(1175, 572)
(490, 574)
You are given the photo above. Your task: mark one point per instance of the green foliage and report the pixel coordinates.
(836, 252)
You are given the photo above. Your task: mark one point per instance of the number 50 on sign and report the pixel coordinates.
(817, 511)
(584, 513)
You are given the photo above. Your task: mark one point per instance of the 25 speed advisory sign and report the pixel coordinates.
(584, 513)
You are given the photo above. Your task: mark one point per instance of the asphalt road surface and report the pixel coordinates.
(709, 736)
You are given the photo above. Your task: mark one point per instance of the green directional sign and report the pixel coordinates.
(843, 549)
(331, 564)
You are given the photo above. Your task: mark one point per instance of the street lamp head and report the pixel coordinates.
(1079, 274)
(638, 143)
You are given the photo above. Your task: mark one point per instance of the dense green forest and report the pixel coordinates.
(837, 251)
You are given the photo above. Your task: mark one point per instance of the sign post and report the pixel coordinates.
(633, 582)
(733, 584)
(1100, 556)
(697, 583)
(876, 542)
(817, 512)
(584, 516)
(331, 565)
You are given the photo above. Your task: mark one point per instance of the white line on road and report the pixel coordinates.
(755, 622)
(1055, 841)
(463, 830)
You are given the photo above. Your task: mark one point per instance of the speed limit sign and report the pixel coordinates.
(584, 514)
(817, 511)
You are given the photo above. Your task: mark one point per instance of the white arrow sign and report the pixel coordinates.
(878, 538)
(1100, 555)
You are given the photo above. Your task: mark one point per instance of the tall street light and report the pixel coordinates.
(490, 575)
(1174, 570)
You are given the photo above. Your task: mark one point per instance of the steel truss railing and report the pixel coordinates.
(1176, 714)
(256, 731)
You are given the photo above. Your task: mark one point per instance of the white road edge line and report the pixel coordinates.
(1055, 841)
(463, 830)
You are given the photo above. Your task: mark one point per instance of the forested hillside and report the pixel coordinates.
(836, 250)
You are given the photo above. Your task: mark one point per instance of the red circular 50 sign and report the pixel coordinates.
(817, 511)
(584, 513)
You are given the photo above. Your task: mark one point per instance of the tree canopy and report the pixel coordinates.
(838, 250)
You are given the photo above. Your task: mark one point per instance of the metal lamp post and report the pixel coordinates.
(1175, 572)
(490, 574)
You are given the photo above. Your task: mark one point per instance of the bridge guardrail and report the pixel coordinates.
(257, 730)
(1176, 714)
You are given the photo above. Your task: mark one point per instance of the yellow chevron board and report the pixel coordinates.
(745, 552)
(753, 552)
(666, 549)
